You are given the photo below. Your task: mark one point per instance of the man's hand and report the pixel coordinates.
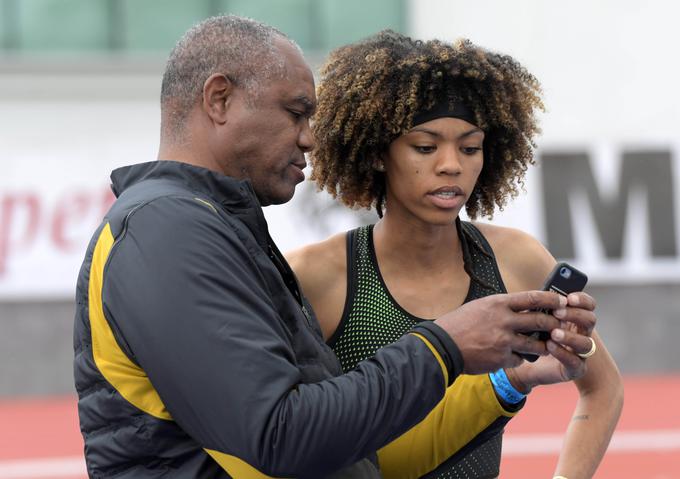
(487, 330)
(563, 363)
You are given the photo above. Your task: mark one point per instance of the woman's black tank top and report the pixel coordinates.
(372, 319)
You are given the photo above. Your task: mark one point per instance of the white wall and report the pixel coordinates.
(608, 68)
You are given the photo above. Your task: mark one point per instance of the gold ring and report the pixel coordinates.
(593, 348)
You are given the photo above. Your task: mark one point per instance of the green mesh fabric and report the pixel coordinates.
(373, 319)
(366, 327)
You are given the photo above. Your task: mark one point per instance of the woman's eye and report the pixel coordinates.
(425, 149)
(471, 150)
(296, 114)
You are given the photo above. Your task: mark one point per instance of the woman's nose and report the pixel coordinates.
(448, 161)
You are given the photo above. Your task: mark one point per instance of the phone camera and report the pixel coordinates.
(565, 272)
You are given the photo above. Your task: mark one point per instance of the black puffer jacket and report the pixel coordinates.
(198, 357)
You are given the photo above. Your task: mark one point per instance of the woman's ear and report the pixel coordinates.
(379, 163)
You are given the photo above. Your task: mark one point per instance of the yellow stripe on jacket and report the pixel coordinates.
(445, 430)
(126, 377)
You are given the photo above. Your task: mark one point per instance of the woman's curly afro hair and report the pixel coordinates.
(370, 91)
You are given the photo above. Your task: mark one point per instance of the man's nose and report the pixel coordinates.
(306, 139)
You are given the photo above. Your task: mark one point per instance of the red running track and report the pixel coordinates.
(39, 437)
(646, 443)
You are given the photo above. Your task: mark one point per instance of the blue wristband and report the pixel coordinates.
(504, 389)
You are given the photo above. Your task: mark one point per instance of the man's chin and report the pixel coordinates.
(277, 197)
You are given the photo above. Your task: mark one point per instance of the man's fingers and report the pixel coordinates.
(522, 343)
(527, 300)
(582, 318)
(530, 321)
(581, 300)
(579, 343)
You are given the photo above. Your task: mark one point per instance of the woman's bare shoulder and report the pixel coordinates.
(522, 259)
(317, 264)
(321, 269)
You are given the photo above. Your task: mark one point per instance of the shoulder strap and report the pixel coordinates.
(479, 241)
(482, 261)
(351, 239)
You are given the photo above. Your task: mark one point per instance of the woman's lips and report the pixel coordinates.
(447, 197)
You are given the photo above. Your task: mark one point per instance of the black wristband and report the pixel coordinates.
(445, 346)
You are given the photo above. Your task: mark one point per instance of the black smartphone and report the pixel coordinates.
(563, 279)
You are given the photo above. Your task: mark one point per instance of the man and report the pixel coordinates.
(196, 353)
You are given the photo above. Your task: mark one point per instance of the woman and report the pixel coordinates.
(419, 130)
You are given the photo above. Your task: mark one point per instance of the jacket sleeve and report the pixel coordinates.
(188, 302)
(469, 407)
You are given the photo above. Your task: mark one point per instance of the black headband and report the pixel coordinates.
(444, 109)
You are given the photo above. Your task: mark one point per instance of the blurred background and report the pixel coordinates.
(79, 89)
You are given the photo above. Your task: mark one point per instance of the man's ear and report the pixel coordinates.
(217, 91)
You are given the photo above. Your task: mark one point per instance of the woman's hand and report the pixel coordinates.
(565, 344)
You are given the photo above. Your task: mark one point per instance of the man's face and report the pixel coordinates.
(269, 134)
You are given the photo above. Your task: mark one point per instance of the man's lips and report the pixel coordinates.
(299, 166)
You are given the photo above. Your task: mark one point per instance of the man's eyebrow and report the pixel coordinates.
(309, 105)
(437, 134)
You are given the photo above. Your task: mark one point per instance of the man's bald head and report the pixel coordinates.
(241, 48)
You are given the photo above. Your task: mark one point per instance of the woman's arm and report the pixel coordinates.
(595, 416)
(597, 409)
(524, 263)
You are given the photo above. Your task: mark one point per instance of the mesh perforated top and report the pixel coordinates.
(372, 319)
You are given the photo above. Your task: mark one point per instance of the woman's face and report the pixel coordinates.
(432, 170)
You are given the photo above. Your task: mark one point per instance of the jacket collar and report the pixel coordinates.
(220, 187)
(235, 196)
